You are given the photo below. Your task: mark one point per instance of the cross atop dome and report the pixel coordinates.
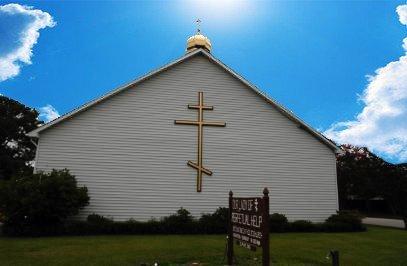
(198, 25)
(198, 40)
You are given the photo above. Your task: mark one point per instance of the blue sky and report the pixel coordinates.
(313, 57)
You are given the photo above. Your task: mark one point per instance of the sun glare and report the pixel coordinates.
(227, 12)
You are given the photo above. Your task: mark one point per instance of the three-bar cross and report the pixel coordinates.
(200, 123)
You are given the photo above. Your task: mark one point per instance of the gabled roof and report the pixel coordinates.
(279, 107)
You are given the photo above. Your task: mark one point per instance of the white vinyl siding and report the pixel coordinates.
(132, 157)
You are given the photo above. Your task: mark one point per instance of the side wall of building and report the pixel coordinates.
(132, 157)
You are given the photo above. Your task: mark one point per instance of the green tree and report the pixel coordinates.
(363, 175)
(16, 149)
(30, 203)
(359, 173)
(393, 188)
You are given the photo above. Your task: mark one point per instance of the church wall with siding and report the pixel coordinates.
(132, 157)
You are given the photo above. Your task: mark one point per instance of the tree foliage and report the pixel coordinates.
(16, 149)
(40, 200)
(359, 172)
(363, 175)
(393, 188)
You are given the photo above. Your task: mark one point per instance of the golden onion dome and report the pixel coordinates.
(198, 41)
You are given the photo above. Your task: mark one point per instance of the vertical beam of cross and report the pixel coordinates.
(198, 25)
(198, 165)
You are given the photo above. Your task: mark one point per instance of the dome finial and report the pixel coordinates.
(198, 40)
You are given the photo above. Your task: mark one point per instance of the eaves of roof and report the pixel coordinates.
(290, 115)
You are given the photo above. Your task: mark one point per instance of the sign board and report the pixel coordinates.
(247, 221)
(249, 224)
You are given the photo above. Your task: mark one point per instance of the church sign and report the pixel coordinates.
(200, 123)
(249, 224)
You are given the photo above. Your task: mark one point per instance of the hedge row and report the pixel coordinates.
(183, 223)
(343, 221)
(180, 223)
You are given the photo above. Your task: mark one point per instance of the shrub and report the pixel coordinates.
(351, 217)
(303, 226)
(100, 224)
(336, 227)
(98, 219)
(344, 221)
(150, 227)
(183, 223)
(37, 204)
(215, 223)
(180, 223)
(278, 223)
(78, 228)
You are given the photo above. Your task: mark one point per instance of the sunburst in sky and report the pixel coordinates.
(313, 57)
(223, 13)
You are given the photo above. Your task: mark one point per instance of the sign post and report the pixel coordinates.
(230, 232)
(266, 228)
(249, 225)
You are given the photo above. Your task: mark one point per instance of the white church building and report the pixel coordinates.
(185, 135)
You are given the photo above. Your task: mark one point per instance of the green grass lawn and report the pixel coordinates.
(377, 246)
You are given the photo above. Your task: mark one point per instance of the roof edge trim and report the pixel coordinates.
(35, 132)
(290, 115)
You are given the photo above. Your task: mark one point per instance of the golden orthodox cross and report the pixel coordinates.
(200, 123)
(198, 25)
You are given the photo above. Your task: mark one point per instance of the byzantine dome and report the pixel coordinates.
(198, 41)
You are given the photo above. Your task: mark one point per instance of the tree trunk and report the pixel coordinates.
(367, 205)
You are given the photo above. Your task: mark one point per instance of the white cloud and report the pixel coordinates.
(17, 46)
(48, 113)
(402, 12)
(382, 124)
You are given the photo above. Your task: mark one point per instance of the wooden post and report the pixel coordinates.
(335, 257)
(266, 228)
(230, 232)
